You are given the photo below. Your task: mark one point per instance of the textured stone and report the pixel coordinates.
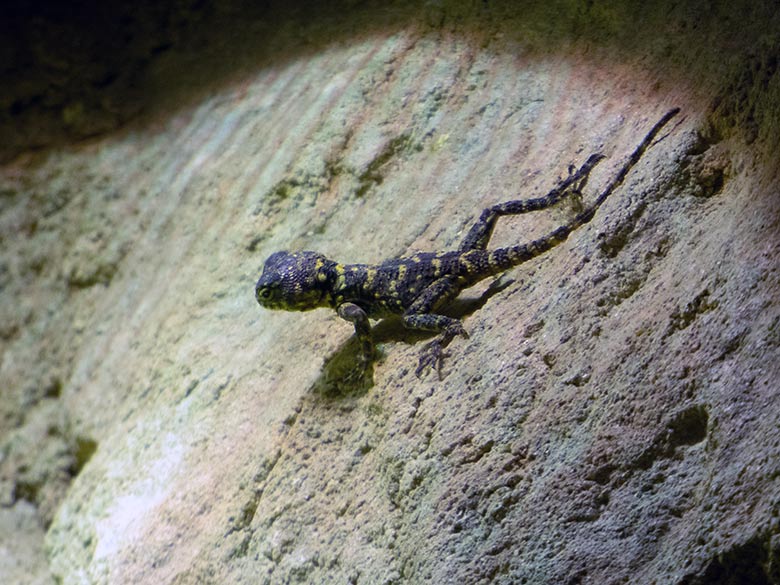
(612, 417)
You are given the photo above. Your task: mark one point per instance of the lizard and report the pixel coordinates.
(417, 286)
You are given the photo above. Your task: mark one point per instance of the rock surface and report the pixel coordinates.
(613, 417)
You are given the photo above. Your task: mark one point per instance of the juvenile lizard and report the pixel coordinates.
(417, 286)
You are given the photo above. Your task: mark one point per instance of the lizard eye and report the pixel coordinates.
(263, 294)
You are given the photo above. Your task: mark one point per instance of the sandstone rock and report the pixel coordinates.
(612, 417)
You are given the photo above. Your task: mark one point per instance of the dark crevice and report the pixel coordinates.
(685, 428)
(747, 563)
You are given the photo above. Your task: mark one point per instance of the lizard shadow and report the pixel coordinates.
(341, 376)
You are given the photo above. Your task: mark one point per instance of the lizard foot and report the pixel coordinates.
(431, 357)
(433, 353)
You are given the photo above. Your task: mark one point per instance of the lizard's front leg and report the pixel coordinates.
(358, 317)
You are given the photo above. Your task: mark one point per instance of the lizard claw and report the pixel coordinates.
(431, 357)
(433, 354)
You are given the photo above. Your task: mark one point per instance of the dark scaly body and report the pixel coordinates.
(394, 285)
(416, 286)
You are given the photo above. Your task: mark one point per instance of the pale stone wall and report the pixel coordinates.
(612, 417)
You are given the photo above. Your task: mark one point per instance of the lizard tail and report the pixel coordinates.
(504, 258)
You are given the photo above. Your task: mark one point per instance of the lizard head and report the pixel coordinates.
(294, 281)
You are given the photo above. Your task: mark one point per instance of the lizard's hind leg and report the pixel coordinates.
(421, 315)
(479, 234)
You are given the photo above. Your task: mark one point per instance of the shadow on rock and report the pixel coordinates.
(343, 376)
